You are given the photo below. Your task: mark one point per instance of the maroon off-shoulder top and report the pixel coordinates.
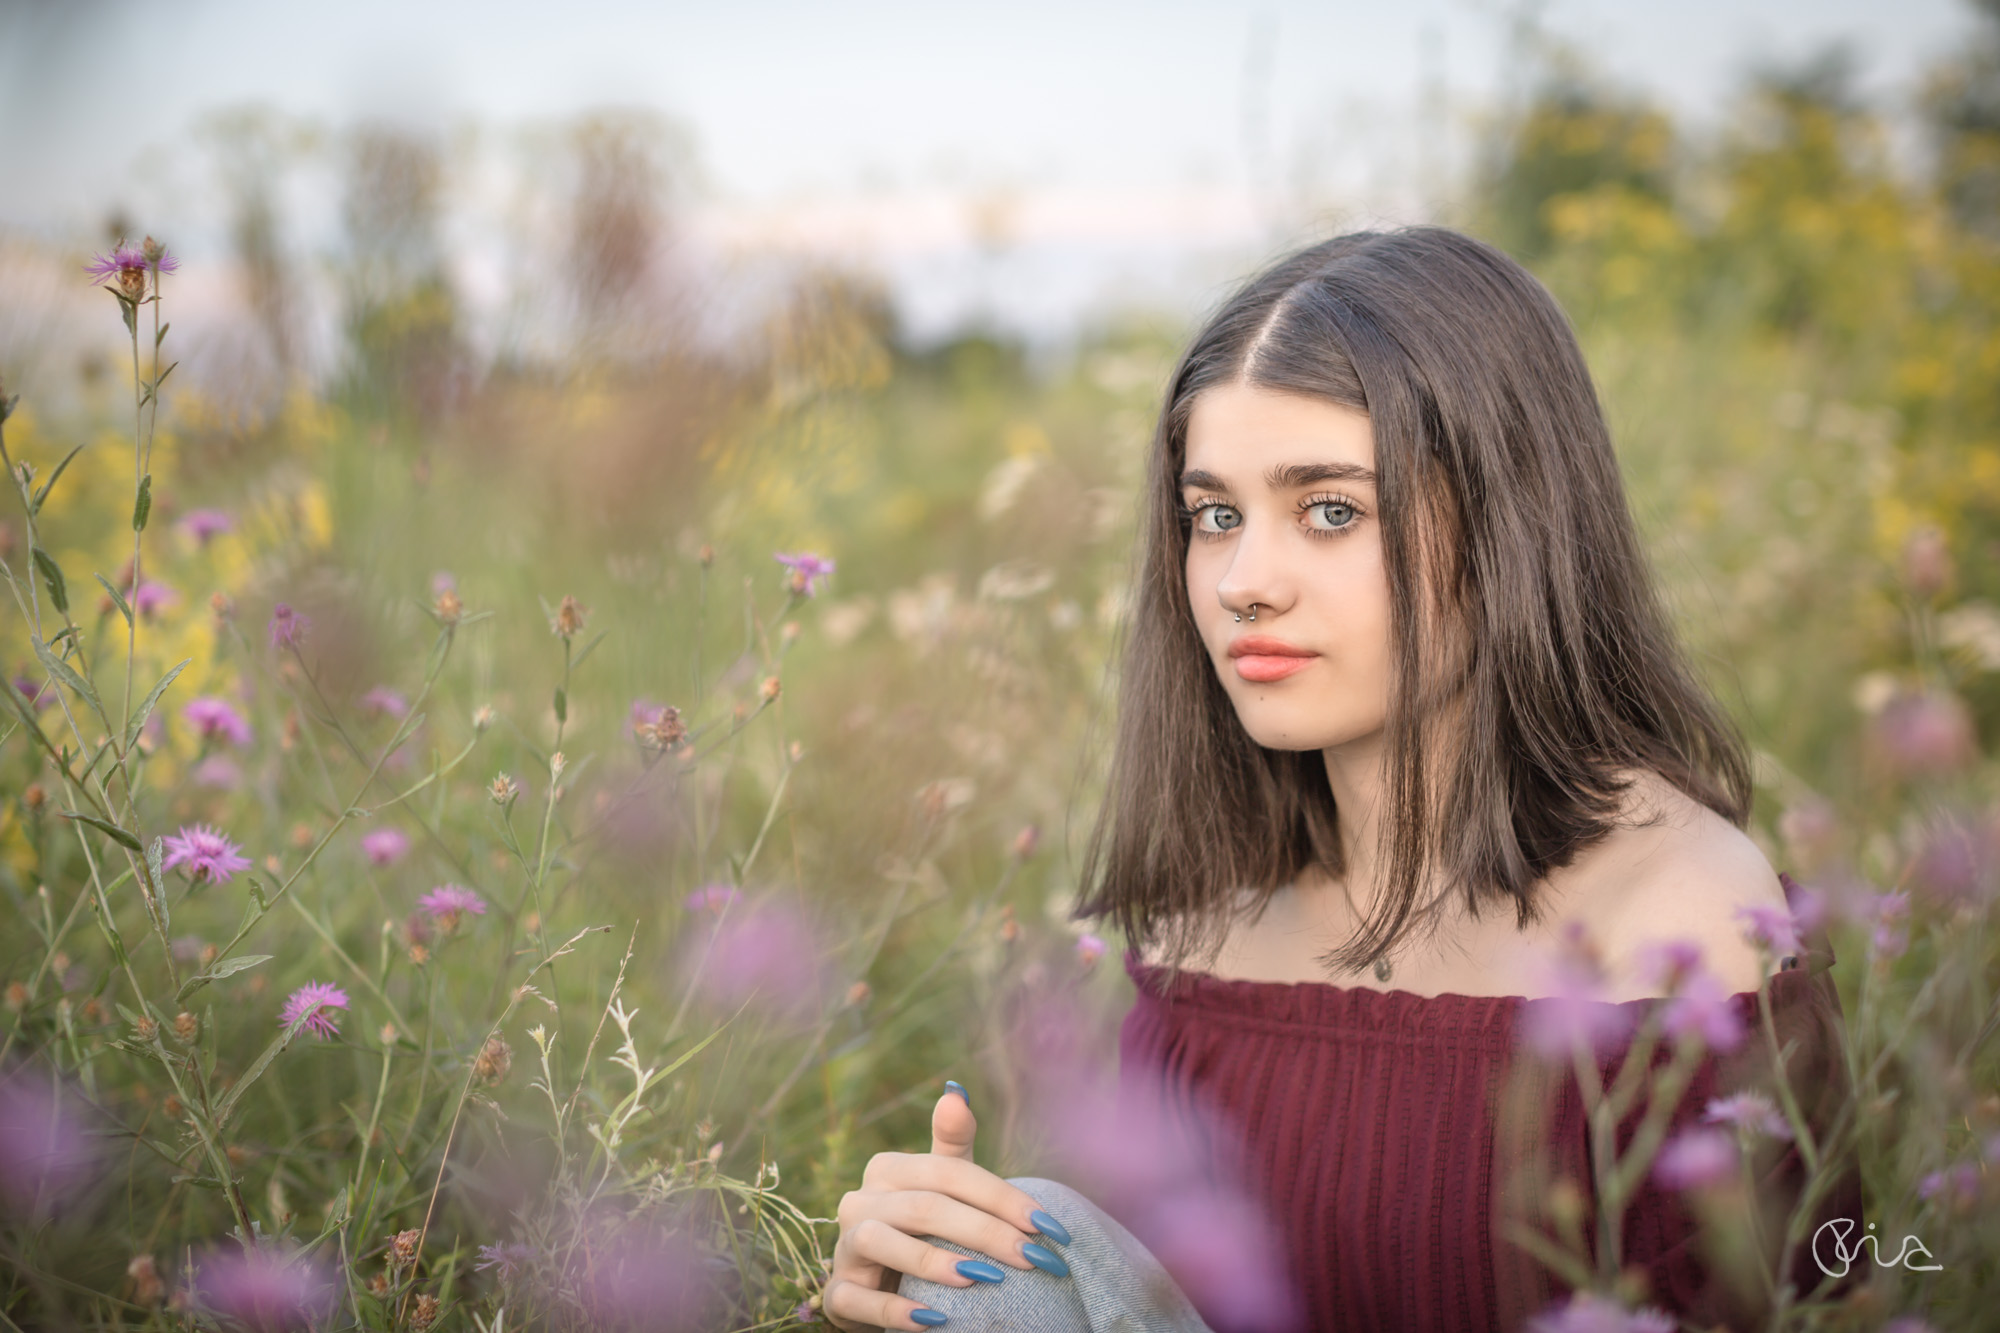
(1369, 1126)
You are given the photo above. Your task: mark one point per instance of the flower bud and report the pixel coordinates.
(482, 717)
(146, 1028)
(1927, 563)
(768, 691)
(556, 764)
(504, 790)
(186, 1026)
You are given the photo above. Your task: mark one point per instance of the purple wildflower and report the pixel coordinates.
(204, 525)
(766, 952)
(122, 260)
(1925, 733)
(506, 1259)
(44, 1151)
(443, 581)
(209, 857)
(1955, 1186)
(807, 571)
(1089, 948)
(1696, 1157)
(1749, 1111)
(1770, 928)
(1588, 1312)
(288, 627)
(1889, 910)
(385, 846)
(324, 1022)
(449, 903)
(382, 699)
(711, 898)
(1667, 963)
(1703, 1008)
(218, 770)
(1572, 1007)
(152, 596)
(805, 1314)
(263, 1289)
(37, 692)
(214, 717)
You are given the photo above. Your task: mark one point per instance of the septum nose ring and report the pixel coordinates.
(1253, 614)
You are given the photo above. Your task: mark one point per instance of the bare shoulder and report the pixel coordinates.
(1681, 872)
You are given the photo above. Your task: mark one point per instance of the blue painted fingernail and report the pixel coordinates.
(951, 1085)
(1049, 1227)
(980, 1271)
(928, 1318)
(1045, 1259)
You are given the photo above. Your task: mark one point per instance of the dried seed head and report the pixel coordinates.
(171, 1107)
(147, 1286)
(715, 1151)
(769, 689)
(1010, 929)
(132, 283)
(209, 953)
(388, 1034)
(504, 789)
(858, 994)
(186, 1026)
(153, 251)
(790, 633)
(706, 555)
(448, 607)
(569, 618)
(482, 717)
(223, 608)
(35, 796)
(796, 751)
(557, 763)
(1026, 841)
(496, 1057)
(146, 1028)
(17, 996)
(426, 1312)
(403, 1248)
(663, 731)
(420, 954)
(378, 1285)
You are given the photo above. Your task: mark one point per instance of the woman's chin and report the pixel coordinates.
(1275, 729)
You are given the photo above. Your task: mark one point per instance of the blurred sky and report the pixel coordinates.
(860, 126)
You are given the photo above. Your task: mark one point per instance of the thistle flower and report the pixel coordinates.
(152, 595)
(324, 1022)
(1696, 1157)
(204, 525)
(447, 606)
(1924, 733)
(504, 789)
(711, 898)
(383, 699)
(209, 857)
(35, 692)
(506, 1259)
(448, 904)
(147, 1286)
(1749, 1111)
(385, 846)
(657, 726)
(495, 1058)
(1588, 1312)
(1572, 1007)
(1703, 1008)
(261, 1289)
(288, 628)
(1770, 928)
(568, 620)
(807, 571)
(1089, 948)
(218, 770)
(403, 1247)
(212, 717)
(126, 268)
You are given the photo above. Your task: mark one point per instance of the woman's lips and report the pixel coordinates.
(1262, 659)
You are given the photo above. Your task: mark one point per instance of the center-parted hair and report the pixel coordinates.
(1522, 612)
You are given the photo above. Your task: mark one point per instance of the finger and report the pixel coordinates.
(850, 1305)
(890, 1172)
(879, 1243)
(929, 1213)
(953, 1124)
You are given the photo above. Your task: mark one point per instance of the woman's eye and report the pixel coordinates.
(1216, 518)
(1333, 515)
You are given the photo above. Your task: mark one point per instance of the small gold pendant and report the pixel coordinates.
(1382, 968)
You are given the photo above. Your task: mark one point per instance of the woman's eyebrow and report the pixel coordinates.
(1288, 476)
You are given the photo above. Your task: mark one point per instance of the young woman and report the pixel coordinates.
(1400, 717)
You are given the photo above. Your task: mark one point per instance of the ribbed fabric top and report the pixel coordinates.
(1389, 1138)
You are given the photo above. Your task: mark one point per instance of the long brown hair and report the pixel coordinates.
(1510, 554)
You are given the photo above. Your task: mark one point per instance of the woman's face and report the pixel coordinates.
(1282, 489)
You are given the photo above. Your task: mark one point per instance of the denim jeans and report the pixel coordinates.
(1115, 1284)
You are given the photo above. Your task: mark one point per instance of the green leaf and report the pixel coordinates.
(562, 705)
(145, 708)
(588, 648)
(157, 880)
(123, 837)
(52, 575)
(228, 967)
(65, 673)
(143, 506)
(256, 1071)
(35, 507)
(163, 374)
(128, 310)
(7, 406)
(161, 336)
(117, 599)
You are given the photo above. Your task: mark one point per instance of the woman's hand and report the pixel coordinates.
(940, 1193)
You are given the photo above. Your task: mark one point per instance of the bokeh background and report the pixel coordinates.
(619, 302)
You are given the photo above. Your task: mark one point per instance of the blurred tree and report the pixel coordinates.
(626, 162)
(1963, 104)
(402, 314)
(253, 145)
